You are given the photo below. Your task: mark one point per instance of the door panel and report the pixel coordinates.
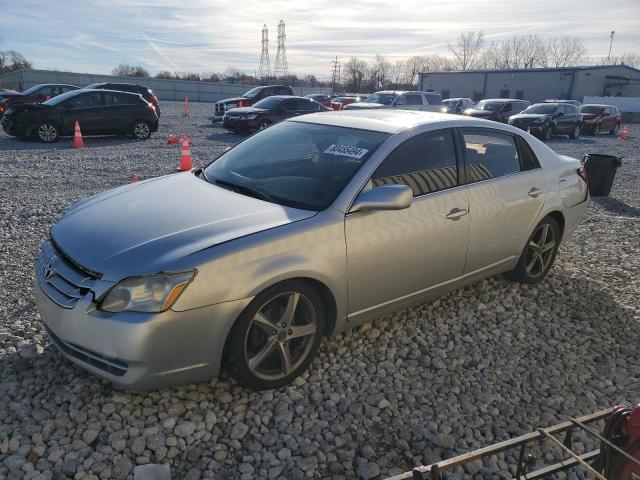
(501, 216)
(391, 254)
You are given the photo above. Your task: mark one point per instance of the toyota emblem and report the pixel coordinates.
(48, 270)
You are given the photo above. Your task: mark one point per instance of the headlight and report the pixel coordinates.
(153, 293)
(252, 117)
(229, 106)
(443, 109)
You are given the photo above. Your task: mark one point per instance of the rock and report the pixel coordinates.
(184, 429)
(368, 470)
(152, 472)
(239, 431)
(31, 350)
(89, 436)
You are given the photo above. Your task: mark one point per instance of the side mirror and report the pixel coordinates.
(559, 114)
(605, 114)
(384, 197)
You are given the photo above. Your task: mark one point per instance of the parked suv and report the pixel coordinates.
(268, 111)
(36, 94)
(412, 100)
(146, 92)
(549, 119)
(497, 109)
(598, 118)
(456, 105)
(249, 98)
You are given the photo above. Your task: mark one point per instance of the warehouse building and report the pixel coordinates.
(536, 84)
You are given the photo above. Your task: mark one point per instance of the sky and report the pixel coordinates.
(94, 36)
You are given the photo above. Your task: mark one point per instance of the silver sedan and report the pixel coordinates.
(301, 231)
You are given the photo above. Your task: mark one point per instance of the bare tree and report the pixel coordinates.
(125, 70)
(354, 72)
(564, 52)
(379, 70)
(630, 59)
(467, 49)
(10, 61)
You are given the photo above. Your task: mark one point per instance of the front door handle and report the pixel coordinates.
(456, 214)
(534, 192)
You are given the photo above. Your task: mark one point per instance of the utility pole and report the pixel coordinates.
(265, 67)
(610, 45)
(335, 77)
(280, 69)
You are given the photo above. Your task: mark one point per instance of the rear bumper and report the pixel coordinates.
(140, 351)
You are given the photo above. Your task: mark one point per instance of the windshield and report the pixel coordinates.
(301, 165)
(268, 103)
(383, 98)
(31, 90)
(490, 106)
(61, 98)
(545, 109)
(93, 86)
(448, 103)
(592, 109)
(252, 93)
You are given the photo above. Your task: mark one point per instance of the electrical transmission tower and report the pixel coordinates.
(265, 66)
(335, 77)
(280, 68)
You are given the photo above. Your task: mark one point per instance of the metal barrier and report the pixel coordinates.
(435, 470)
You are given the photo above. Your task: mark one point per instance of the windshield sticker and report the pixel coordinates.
(346, 151)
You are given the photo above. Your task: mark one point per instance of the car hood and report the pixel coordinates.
(529, 116)
(355, 105)
(234, 100)
(245, 110)
(479, 113)
(151, 226)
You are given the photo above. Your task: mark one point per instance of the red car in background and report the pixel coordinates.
(338, 103)
(321, 99)
(36, 94)
(600, 118)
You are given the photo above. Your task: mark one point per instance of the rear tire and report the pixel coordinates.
(141, 130)
(539, 253)
(275, 339)
(47, 132)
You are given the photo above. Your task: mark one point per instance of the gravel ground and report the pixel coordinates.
(478, 366)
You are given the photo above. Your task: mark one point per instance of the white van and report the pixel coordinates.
(412, 100)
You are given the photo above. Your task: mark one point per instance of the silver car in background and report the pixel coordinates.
(412, 100)
(301, 231)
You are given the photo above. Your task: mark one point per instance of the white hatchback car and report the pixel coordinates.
(413, 100)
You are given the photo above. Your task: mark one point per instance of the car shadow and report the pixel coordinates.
(12, 143)
(616, 206)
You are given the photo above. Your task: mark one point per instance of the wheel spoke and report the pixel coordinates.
(302, 331)
(533, 245)
(531, 263)
(259, 357)
(285, 357)
(548, 246)
(543, 235)
(260, 321)
(290, 310)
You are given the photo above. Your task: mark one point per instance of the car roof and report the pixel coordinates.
(55, 85)
(103, 90)
(391, 120)
(504, 100)
(400, 92)
(596, 105)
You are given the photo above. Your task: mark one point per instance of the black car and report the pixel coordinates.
(146, 92)
(99, 112)
(249, 98)
(549, 119)
(269, 111)
(497, 109)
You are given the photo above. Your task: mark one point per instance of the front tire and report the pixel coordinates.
(575, 133)
(48, 132)
(547, 133)
(141, 130)
(615, 130)
(276, 337)
(539, 253)
(264, 124)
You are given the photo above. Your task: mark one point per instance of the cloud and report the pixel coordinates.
(211, 35)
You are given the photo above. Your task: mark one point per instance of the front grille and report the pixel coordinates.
(109, 365)
(60, 279)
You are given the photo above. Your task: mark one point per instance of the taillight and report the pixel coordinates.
(154, 100)
(582, 172)
(151, 108)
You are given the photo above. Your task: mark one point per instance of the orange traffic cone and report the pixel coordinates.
(185, 109)
(624, 133)
(77, 137)
(173, 140)
(134, 179)
(185, 155)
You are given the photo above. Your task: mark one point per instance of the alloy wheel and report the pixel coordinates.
(264, 125)
(539, 252)
(47, 132)
(548, 133)
(141, 130)
(280, 336)
(576, 131)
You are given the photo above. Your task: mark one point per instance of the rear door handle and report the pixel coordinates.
(534, 192)
(456, 214)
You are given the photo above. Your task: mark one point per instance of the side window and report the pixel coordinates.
(490, 154)
(290, 103)
(109, 99)
(305, 105)
(86, 100)
(426, 163)
(433, 99)
(528, 160)
(401, 100)
(508, 107)
(414, 99)
(126, 99)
